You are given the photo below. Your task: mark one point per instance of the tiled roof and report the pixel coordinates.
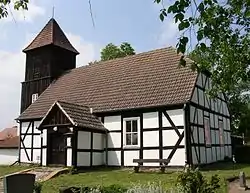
(81, 115)
(51, 34)
(12, 142)
(8, 133)
(148, 79)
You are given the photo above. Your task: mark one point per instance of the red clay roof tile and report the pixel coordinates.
(148, 79)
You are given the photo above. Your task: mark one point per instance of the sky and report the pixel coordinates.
(115, 21)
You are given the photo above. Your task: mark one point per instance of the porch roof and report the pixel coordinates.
(78, 115)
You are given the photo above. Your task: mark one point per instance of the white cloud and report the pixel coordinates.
(21, 15)
(169, 33)
(88, 51)
(12, 74)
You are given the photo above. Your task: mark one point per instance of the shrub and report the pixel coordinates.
(192, 181)
(149, 188)
(38, 187)
(113, 189)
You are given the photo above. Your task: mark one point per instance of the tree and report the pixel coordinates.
(238, 99)
(112, 51)
(221, 29)
(4, 4)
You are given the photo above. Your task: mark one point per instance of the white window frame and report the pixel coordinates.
(34, 97)
(138, 131)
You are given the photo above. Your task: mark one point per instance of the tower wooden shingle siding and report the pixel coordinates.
(47, 56)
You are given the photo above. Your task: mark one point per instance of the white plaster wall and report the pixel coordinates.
(194, 156)
(176, 116)
(114, 158)
(199, 80)
(36, 124)
(23, 156)
(69, 156)
(129, 156)
(218, 153)
(178, 158)
(203, 155)
(150, 120)
(83, 141)
(195, 135)
(45, 137)
(97, 159)
(8, 156)
(28, 142)
(209, 155)
(201, 135)
(114, 140)
(37, 141)
(195, 96)
(44, 157)
(151, 154)
(83, 158)
(150, 138)
(170, 137)
(36, 156)
(98, 141)
(112, 122)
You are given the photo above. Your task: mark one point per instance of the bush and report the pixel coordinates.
(192, 181)
(37, 187)
(98, 189)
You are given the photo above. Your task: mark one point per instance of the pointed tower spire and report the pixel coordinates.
(51, 34)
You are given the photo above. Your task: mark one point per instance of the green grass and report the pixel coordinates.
(127, 177)
(4, 170)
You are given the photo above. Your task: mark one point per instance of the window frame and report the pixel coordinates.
(33, 98)
(125, 132)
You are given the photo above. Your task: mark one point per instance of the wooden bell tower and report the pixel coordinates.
(48, 56)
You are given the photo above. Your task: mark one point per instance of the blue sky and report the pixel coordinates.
(116, 21)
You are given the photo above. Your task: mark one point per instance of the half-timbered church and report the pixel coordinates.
(109, 113)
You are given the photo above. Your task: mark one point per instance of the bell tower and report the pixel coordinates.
(48, 56)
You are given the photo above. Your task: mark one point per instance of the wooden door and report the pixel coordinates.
(57, 149)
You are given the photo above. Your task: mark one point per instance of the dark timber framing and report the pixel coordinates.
(208, 110)
(192, 147)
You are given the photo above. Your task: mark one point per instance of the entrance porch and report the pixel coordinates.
(72, 136)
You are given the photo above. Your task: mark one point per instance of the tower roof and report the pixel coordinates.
(51, 34)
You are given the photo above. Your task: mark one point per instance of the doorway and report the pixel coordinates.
(56, 149)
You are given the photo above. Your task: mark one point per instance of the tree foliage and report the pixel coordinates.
(238, 98)
(5, 4)
(112, 51)
(221, 29)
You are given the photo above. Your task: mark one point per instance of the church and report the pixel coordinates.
(108, 113)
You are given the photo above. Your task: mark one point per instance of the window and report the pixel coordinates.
(131, 132)
(34, 97)
(207, 131)
(221, 132)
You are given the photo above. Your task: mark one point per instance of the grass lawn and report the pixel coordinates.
(4, 170)
(127, 177)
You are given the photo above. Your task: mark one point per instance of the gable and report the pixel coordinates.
(55, 116)
(145, 80)
(199, 96)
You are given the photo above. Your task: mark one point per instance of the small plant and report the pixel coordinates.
(115, 188)
(72, 170)
(38, 187)
(192, 181)
(147, 188)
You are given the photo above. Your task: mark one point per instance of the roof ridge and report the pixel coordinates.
(130, 56)
(70, 103)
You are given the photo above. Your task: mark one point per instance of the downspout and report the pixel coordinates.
(185, 134)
